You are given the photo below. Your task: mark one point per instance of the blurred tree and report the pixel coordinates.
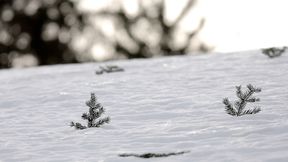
(41, 28)
(148, 33)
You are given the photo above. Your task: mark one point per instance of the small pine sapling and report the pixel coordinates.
(273, 51)
(154, 155)
(109, 69)
(244, 98)
(95, 111)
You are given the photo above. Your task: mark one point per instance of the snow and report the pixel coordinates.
(160, 105)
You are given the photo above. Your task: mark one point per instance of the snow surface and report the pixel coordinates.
(161, 105)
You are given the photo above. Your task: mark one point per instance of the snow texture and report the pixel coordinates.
(160, 105)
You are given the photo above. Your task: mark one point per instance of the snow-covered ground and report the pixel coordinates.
(161, 105)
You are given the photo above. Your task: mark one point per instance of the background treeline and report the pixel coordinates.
(42, 32)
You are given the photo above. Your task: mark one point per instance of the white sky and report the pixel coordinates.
(232, 25)
(245, 24)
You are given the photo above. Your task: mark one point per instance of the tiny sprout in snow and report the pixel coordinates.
(244, 98)
(95, 111)
(109, 69)
(273, 51)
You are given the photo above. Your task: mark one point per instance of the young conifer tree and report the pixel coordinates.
(95, 111)
(109, 69)
(244, 98)
(274, 51)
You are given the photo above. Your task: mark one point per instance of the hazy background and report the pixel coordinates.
(46, 32)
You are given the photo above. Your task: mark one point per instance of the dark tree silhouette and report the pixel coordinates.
(129, 27)
(38, 27)
(45, 29)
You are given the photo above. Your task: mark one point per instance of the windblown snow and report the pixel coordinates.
(161, 105)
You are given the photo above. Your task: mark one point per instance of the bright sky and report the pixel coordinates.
(233, 25)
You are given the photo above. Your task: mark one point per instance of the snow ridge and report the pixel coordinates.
(159, 105)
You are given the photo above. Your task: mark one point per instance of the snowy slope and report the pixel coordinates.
(158, 105)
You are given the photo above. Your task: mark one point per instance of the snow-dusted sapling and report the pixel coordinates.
(154, 155)
(273, 51)
(95, 111)
(109, 69)
(240, 104)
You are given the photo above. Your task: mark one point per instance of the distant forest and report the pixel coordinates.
(57, 32)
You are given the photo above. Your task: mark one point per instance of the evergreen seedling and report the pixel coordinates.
(154, 155)
(273, 51)
(95, 111)
(109, 69)
(244, 98)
